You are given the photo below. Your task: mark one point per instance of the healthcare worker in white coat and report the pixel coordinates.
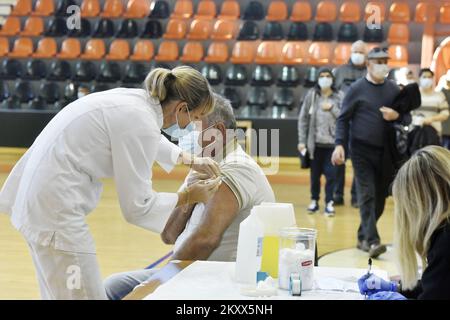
(114, 133)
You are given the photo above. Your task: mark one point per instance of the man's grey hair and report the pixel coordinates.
(360, 43)
(223, 112)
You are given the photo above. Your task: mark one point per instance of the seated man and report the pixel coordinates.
(209, 231)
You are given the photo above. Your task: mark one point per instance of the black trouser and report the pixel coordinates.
(321, 164)
(340, 184)
(368, 165)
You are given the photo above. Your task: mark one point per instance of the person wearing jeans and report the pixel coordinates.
(316, 130)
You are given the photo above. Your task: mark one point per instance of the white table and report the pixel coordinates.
(207, 280)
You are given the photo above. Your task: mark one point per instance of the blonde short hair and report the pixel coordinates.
(181, 83)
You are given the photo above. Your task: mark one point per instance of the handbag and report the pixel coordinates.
(305, 160)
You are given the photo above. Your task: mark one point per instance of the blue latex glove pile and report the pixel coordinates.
(378, 289)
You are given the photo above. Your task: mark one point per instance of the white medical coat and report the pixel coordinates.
(115, 133)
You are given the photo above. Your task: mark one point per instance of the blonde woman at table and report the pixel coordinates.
(114, 133)
(422, 228)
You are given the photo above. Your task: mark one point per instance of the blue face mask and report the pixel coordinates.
(176, 132)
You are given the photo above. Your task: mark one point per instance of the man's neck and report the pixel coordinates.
(372, 80)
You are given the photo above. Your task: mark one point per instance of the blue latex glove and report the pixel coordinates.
(387, 295)
(370, 284)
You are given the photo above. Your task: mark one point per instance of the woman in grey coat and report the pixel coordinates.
(316, 132)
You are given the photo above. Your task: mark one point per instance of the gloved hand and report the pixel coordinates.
(195, 176)
(202, 191)
(200, 164)
(386, 295)
(370, 284)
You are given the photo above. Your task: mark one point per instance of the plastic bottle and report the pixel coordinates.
(249, 250)
(274, 217)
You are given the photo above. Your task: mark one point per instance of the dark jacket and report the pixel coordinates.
(421, 137)
(396, 138)
(435, 283)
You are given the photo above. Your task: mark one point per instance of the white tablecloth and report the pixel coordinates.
(207, 280)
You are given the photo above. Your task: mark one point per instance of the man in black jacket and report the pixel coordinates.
(364, 111)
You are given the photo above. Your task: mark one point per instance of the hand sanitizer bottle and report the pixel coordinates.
(249, 250)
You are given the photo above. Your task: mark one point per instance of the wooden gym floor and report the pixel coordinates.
(121, 246)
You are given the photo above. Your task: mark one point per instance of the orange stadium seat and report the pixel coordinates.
(94, 50)
(301, 12)
(294, 52)
(269, 52)
(46, 48)
(277, 11)
(23, 47)
(192, 52)
(342, 53)
(399, 12)
(22, 8)
(199, 30)
(319, 53)
(11, 27)
(230, 10)
(350, 11)
(137, 9)
(398, 33)
(4, 47)
(143, 51)
(44, 8)
(444, 14)
(118, 50)
(70, 49)
(373, 8)
(183, 9)
(206, 10)
(441, 59)
(167, 51)
(34, 26)
(217, 53)
(326, 11)
(112, 9)
(398, 56)
(90, 8)
(421, 15)
(243, 52)
(224, 30)
(176, 29)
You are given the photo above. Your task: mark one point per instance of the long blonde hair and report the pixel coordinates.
(181, 83)
(421, 193)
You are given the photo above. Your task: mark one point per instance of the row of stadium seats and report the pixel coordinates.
(134, 72)
(54, 96)
(243, 52)
(326, 11)
(201, 30)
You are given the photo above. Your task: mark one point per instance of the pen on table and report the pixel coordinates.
(368, 272)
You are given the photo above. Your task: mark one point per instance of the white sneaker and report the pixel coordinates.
(313, 207)
(329, 209)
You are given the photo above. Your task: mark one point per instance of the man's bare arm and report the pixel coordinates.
(220, 211)
(176, 223)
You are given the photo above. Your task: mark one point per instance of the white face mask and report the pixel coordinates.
(380, 70)
(81, 94)
(325, 82)
(426, 83)
(189, 143)
(357, 58)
